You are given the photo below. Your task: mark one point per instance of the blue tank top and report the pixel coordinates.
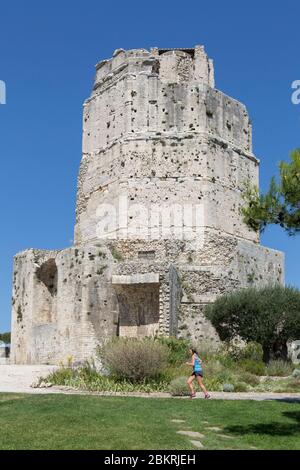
(197, 364)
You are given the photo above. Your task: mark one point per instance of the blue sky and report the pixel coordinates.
(47, 55)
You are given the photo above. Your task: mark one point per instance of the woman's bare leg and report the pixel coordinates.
(190, 384)
(201, 385)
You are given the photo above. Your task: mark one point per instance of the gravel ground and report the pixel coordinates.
(19, 378)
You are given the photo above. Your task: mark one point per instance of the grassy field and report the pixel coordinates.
(115, 423)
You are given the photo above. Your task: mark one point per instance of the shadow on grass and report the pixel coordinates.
(272, 428)
(286, 400)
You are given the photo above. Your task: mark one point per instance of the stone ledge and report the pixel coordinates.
(147, 278)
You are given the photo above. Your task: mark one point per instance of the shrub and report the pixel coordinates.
(213, 384)
(226, 360)
(178, 387)
(228, 388)
(173, 371)
(293, 385)
(88, 372)
(61, 376)
(116, 254)
(279, 368)
(253, 351)
(296, 373)
(269, 316)
(256, 368)
(240, 387)
(5, 337)
(249, 378)
(134, 359)
(280, 386)
(224, 376)
(206, 349)
(178, 349)
(212, 367)
(232, 350)
(85, 378)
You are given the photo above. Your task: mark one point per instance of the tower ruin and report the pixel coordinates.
(158, 231)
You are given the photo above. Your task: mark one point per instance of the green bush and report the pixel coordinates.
(231, 351)
(279, 368)
(88, 379)
(293, 385)
(280, 386)
(65, 375)
(296, 373)
(228, 388)
(253, 351)
(88, 372)
(240, 387)
(225, 376)
(61, 376)
(248, 378)
(134, 359)
(178, 387)
(212, 367)
(268, 315)
(178, 349)
(226, 360)
(213, 384)
(219, 370)
(5, 337)
(256, 368)
(206, 349)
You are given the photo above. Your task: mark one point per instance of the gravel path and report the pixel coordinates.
(18, 379)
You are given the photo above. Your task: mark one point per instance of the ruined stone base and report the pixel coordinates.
(66, 302)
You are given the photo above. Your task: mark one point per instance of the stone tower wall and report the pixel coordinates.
(157, 138)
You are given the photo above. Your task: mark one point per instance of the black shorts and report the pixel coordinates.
(197, 374)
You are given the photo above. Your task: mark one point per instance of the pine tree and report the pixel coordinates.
(281, 204)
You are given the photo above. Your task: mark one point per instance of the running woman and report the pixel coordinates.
(197, 373)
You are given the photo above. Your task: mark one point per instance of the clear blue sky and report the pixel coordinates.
(47, 56)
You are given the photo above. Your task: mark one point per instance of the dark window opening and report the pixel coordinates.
(146, 254)
(47, 274)
(191, 52)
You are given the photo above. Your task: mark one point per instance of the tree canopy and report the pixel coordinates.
(281, 204)
(5, 337)
(269, 316)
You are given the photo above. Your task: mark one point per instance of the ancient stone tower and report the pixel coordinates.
(158, 227)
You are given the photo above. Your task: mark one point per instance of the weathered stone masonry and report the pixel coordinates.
(156, 131)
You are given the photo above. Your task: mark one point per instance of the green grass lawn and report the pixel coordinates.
(115, 423)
